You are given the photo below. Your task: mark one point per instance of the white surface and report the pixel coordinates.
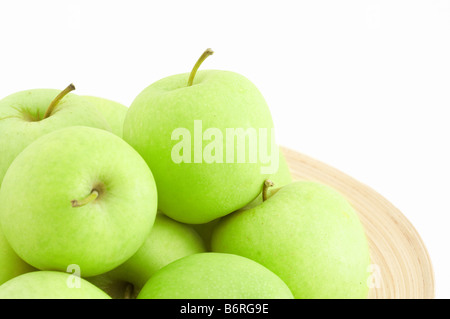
(361, 85)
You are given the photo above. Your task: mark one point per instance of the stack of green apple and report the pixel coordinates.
(92, 204)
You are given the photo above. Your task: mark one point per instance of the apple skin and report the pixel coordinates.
(168, 241)
(306, 233)
(214, 276)
(36, 212)
(11, 265)
(196, 193)
(19, 125)
(112, 111)
(48, 285)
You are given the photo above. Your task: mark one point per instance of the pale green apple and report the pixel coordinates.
(185, 133)
(306, 233)
(78, 195)
(112, 111)
(168, 241)
(22, 118)
(11, 265)
(50, 285)
(214, 276)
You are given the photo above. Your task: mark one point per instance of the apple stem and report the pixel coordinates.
(79, 203)
(202, 58)
(128, 291)
(56, 100)
(265, 192)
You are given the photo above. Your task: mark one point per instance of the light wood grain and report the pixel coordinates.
(401, 265)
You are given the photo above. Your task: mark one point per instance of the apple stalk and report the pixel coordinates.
(79, 203)
(56, 100)
(265, 193)
(202, 58)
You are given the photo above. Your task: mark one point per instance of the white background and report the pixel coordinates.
(361, 85)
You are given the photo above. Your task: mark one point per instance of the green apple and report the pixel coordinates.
(306, 233)
(27, 115)
(50, 285)
(78, 195)
(168, 123)
(112, 111)
(168, 241)
(214, 276)
(11, 265)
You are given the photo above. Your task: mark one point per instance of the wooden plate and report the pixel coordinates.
(401, 267)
